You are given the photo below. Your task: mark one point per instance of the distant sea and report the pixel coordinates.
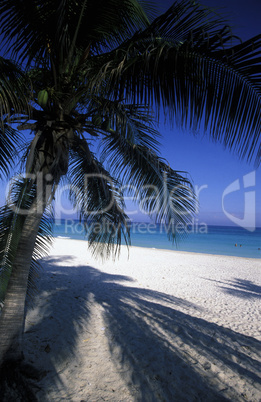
(222, 240)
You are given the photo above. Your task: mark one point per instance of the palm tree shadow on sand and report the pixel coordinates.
(240, 288)
(159, 352)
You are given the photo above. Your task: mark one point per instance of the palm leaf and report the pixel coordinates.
(187, 61)
(42, 246)
(167, 195)
(13, 89)
(14, 95)
(94, 193)
(36, 28)
(10, 142)
(130, 120)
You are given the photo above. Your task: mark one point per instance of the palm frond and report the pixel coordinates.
(22, 26)
(42, 246)
(100, 205)
(165, 194)
(14, 90)
(10, 141)
(131, 121)
(14, 102)
(187, 62)
(35, 28)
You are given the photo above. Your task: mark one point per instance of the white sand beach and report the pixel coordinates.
(159, 326)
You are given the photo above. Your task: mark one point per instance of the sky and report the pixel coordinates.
(214, 171)
(229, 189)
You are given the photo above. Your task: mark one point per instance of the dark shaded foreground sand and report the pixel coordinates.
(159, 326)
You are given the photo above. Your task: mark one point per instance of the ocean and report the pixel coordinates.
(223, 240)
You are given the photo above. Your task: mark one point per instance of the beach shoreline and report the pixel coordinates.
(132, 247)
(217, 240)
(155, 325)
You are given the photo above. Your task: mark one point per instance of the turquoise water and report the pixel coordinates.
(224, 240)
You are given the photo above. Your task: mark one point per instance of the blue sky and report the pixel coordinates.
(208, 163)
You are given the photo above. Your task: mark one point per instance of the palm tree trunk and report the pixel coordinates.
(13, 314)
(12, 317)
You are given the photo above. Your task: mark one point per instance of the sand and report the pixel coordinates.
(159, 326)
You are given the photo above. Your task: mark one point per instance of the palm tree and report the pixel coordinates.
(79, 73)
